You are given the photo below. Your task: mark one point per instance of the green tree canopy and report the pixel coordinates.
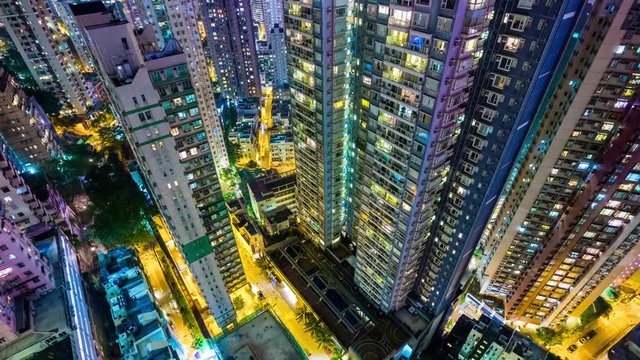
(121, 210)
(548, 336)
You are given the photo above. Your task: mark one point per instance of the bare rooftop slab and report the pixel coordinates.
(264, 336)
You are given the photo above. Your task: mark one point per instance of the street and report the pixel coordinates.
(165, 301)
(622, 319)
(282, 301)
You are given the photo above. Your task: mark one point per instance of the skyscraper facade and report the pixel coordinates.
(24, 272)
(562, 213)
(182, 15)
(160, 113)
(419, 63)
(278, 53)
(24, 126)
(319, 39)
(524, 45)
(232, 46)
(45, 50)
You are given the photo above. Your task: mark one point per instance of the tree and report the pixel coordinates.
(251, 164)
(121, 209)
(233, 151)
(324, 337)
(264, 264)
(303, 314)
(50, 104)
(238, 303)
(229, 116)
(600, 307)
(548, 336)
(105, 125)
(198, 343)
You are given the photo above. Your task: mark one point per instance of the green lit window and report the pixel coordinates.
(190, 98)
(194, 111)
(201, 136)
(166, 105)
(197, 124)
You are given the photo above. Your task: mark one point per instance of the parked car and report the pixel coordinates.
(572, 348)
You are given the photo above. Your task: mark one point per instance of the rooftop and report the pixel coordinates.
(85, 8)
(263, 337)
(279, 214)
(628, 348)
(263, 189)
(47, 320)
(286, 136)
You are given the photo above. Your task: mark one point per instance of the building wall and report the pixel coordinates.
(232, 46)
(496, 123)
(24, 126)
(572, 131)
(419, 62)
(45, 51)
(23, 270)
(182, 15)
(160, 114)
(319, 45)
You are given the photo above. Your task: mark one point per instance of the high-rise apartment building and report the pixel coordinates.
(183, 15)
(232, 46)
(24, 126)
(419, 62)
(278, 55)
(273, 14)
(564, 220)
(161, 116)
(524, 45)
(45, 50)
(319, 40)
(24, 272)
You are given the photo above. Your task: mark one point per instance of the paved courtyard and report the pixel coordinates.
(328, 288)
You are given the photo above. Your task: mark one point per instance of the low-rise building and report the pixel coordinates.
(243, 227)
(282, 148)
(140, 329)
(279, 220)
(488, 338)
(271, 192)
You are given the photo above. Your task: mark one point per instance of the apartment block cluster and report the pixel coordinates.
(429, 131)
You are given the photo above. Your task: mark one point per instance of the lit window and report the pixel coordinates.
(620, 49)
(635, 177)
(621, 103)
